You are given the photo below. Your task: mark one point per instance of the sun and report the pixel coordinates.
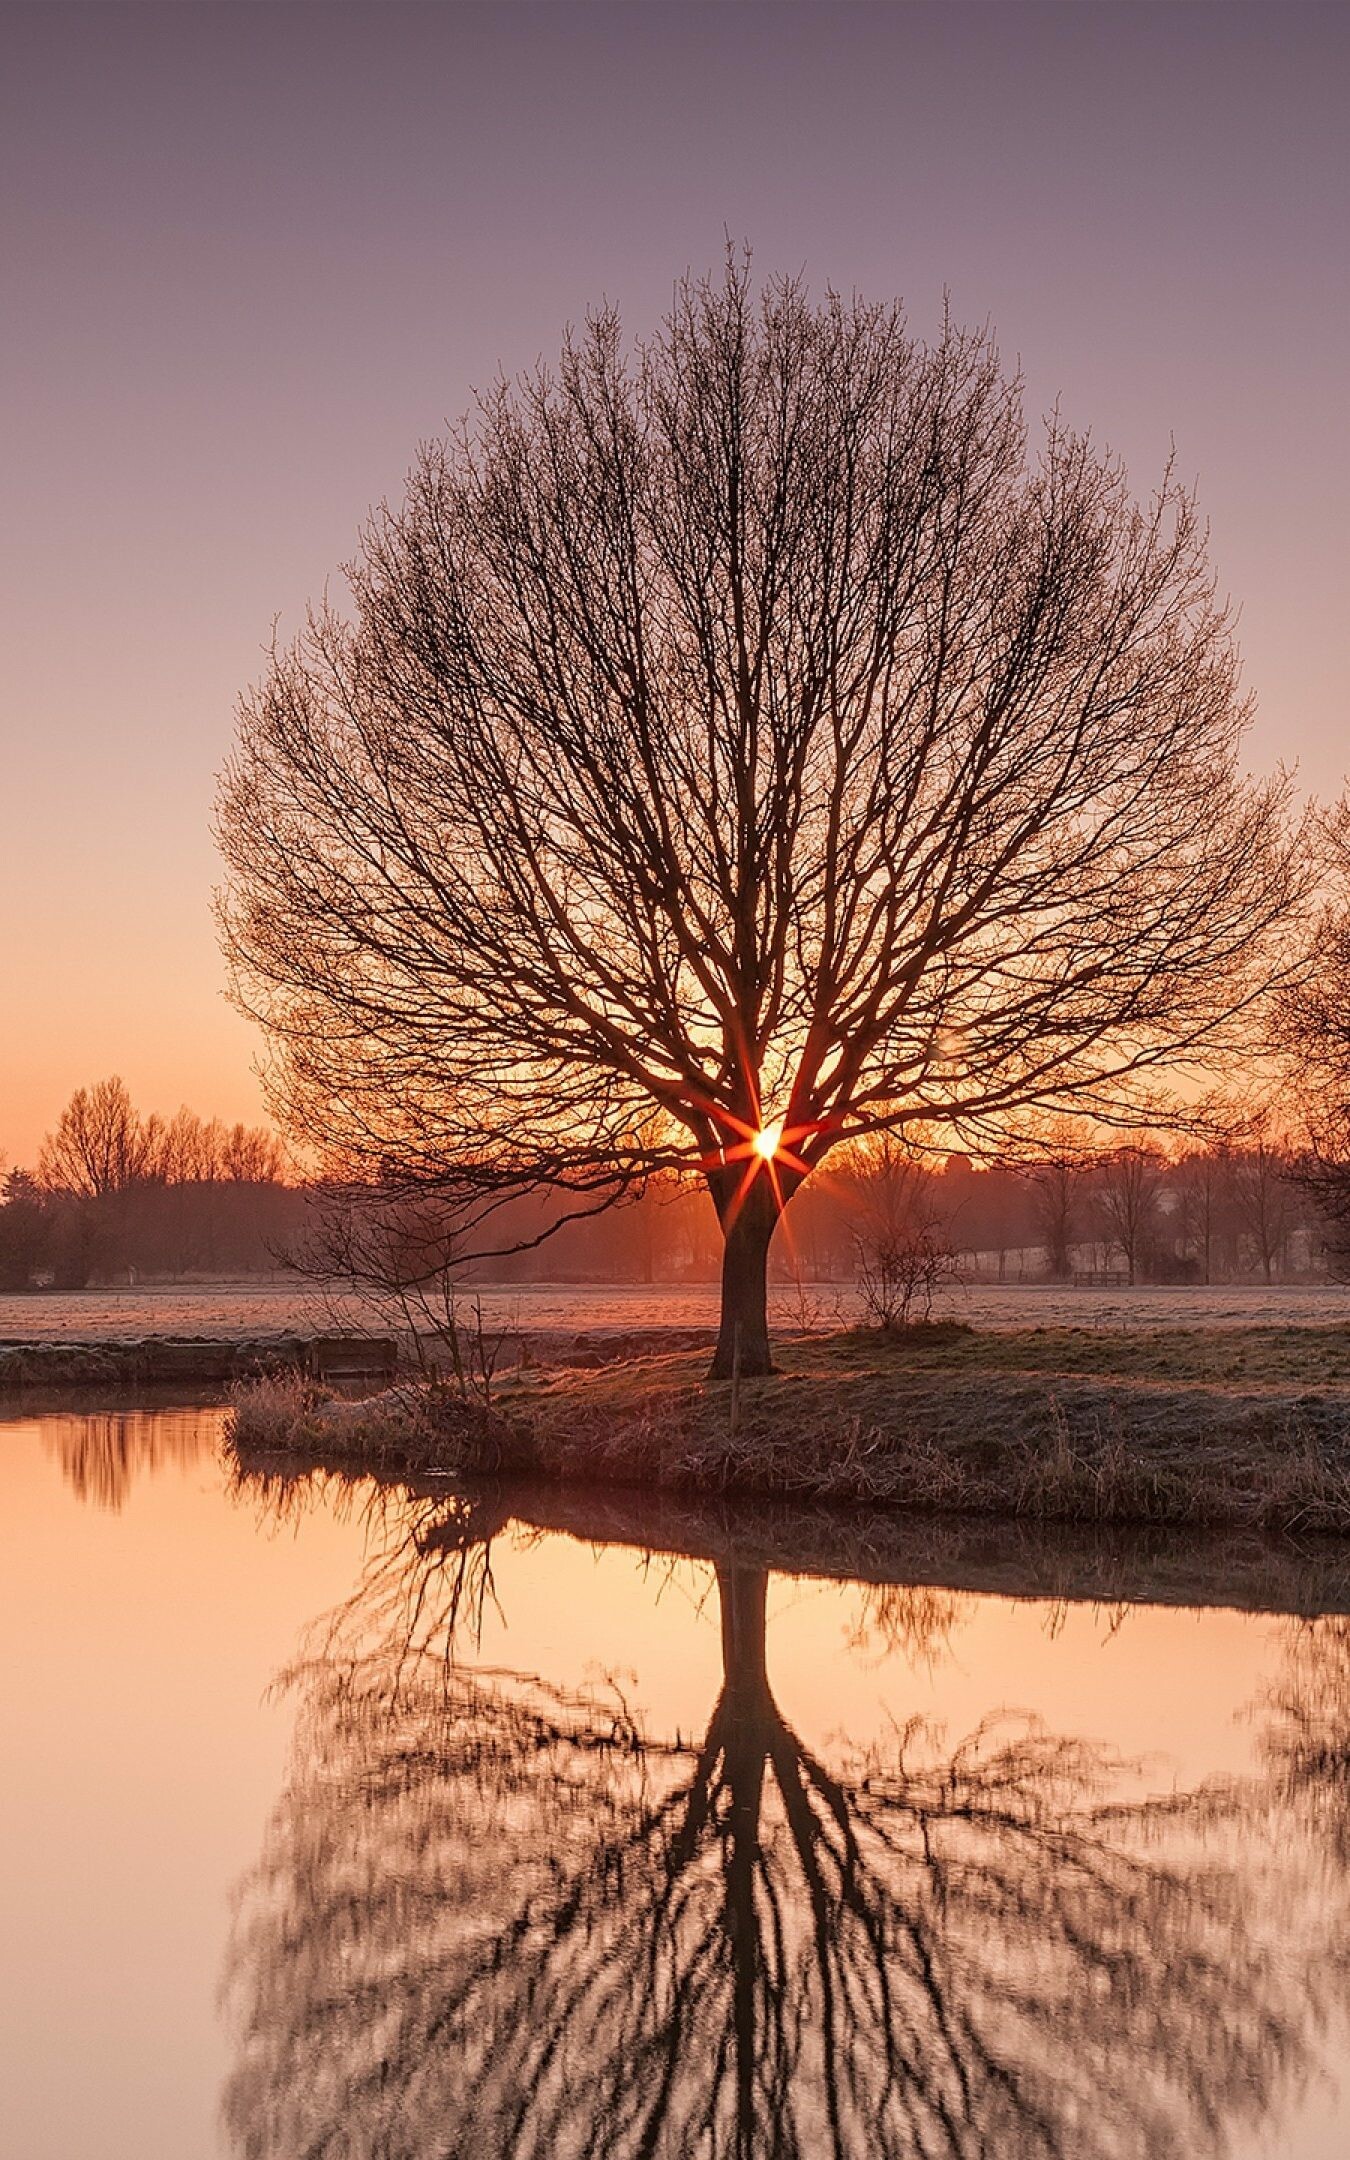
(765, 1143)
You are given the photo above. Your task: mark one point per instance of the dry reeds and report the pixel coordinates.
(871, 1425)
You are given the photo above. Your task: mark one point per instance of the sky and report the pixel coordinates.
(251, 255)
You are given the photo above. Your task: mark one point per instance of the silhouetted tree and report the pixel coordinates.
(26, 1230)
(1263, 1193)
(746, 737)
(1316, 1040)
(903, 1252)
(1127, 1184)
(1206, 1207)
(1055, 1176)
(119, 1187)
(100, 1144)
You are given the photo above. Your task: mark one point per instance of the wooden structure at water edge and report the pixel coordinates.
(158, 1360)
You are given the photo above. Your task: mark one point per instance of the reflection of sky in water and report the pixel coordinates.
(1064, 1975)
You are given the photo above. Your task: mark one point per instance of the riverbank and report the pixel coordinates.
(1217, 1428)
(1105, 1565)
(172, 1360)
(187, 1361)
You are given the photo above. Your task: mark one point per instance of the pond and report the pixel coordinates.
(344, 1819)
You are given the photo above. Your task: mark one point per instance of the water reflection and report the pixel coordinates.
(497, 1917)
(103, 1453)
(1307, 1736)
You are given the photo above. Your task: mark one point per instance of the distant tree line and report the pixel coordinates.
(117, 1194)
(1239, 1209)
(1075, 1203)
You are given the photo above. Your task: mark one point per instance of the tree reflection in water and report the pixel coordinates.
(1307, 1737)
(102, 1453)
(491, 1918)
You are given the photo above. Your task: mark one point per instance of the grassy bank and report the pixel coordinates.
(1234, 1428)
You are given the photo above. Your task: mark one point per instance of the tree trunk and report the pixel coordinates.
(743, 1596)
(750, 1717)
(743, 1338)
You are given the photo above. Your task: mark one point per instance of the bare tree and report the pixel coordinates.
(1316, 1040)
(193, 1150)
(1128, 1183)
(735, 746)
(25, 1229)
(249, 1155)
(100, 1143)
(900, 1275)
(400, 1254)
(904, 1253)
(1263, 1192)
(1055, 1174)
(1203, 1184)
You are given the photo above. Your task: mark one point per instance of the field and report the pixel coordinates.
(228, 1309)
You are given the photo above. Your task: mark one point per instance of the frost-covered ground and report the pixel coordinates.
(236, 1309)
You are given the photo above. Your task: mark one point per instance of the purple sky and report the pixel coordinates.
(252, 253)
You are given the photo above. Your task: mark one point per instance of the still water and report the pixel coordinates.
(347, 1822)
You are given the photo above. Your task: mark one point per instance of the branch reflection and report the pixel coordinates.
(493, 1917)
(1307, 1738)
(103, 1453)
